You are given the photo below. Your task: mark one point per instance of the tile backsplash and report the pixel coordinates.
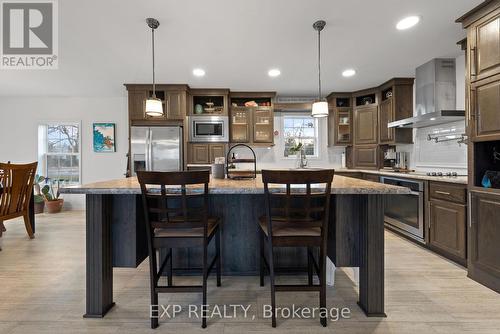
(428, 155)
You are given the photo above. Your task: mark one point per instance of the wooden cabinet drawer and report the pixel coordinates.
(448, 192)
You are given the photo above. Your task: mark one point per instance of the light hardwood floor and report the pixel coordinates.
(42, 290)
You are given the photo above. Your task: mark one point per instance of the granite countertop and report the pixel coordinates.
(417, 176)
(340, 185)
(414, 175)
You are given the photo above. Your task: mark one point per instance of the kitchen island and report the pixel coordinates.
(116, 235)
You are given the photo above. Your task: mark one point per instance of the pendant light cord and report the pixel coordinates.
(319, 65)
(153, 40)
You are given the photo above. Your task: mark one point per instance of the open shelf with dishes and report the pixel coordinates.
(367, 99)
(387, 94)
(209, 102)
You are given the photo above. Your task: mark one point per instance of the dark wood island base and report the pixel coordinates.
(116, 235)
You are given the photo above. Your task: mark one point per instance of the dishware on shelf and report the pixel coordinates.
(367, 100)
(198, 109)
(491, 179)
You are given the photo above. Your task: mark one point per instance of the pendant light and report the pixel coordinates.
(320, 107)
(154, 106)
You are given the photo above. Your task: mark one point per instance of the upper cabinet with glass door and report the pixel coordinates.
(240, 120)
(340, 120)
(252, 118)
(263, 128)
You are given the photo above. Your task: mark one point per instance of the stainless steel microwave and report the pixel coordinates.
(208, 128)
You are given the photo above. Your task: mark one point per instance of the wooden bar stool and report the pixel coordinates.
(16, 187)
(296, 217)
(176, 213)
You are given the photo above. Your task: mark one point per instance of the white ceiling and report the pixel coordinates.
(104, 44)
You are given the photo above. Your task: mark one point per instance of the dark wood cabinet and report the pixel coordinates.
(485, 46)
(176, 105)
(136, 104)
(263, 125)
(447, 220)
(447, 229)
(365, 125)
(485, 110)
(386, 115)
(217, 151)
(396, 103)
(173, 97)
(340, 119)
(205, 153)
(342, 126)
(366, 156)
(212, 102)
(252, 124)
(484, 239)
(199, 153)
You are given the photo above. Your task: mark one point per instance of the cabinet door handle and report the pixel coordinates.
(473, 56)
(442, 192)
(469, 209)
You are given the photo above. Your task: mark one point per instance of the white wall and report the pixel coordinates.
(20, 116)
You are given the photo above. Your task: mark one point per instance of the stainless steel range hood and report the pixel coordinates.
(435, 96)
(431, 119)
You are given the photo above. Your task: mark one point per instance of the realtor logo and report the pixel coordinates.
(29, 35)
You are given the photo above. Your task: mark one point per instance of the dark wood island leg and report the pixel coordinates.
(371, 271)
(99, 274)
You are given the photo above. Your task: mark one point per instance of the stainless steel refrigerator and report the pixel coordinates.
(156, 148)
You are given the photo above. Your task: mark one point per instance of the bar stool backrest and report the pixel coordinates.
(298, 198)
(175, 199)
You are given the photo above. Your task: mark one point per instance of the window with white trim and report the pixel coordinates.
(59, 151)
(300, 132)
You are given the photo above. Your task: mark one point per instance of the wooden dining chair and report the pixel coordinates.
(16, 187)
(176, 213)
(296, 217)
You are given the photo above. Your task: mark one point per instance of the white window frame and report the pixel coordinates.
(316, 137)
(43, 147)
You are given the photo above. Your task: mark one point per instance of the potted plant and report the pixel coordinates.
(38, 197)
(52, 201)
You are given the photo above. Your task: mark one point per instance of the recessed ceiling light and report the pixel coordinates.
(198, 72)
(407, 22)
(433, 118)
(349, 72)
(274, 72)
